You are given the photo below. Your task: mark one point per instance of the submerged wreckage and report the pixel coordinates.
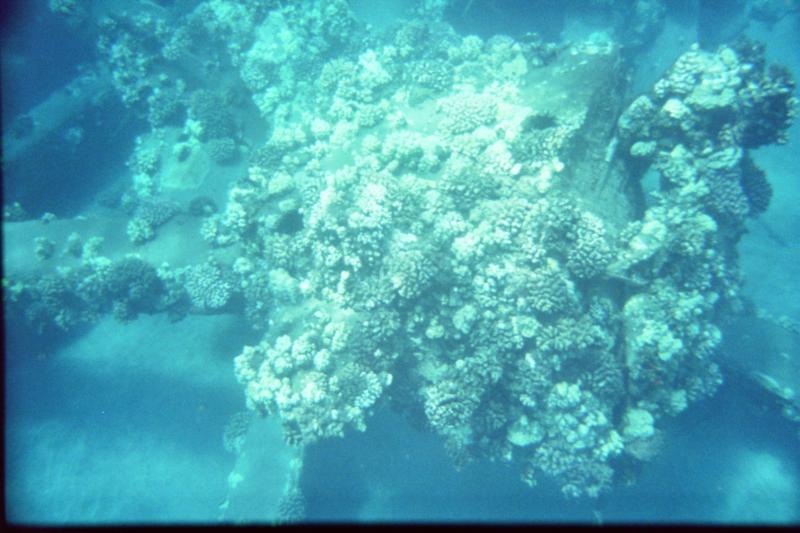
(458, 228)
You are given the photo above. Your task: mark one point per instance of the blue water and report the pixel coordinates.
(114, 421)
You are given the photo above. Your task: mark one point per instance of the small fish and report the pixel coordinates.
(772, 234)
(772, 385)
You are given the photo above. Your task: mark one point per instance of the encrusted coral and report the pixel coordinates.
(210, 110)
(223, 150)
(235, 432)
(463, 112)
(209, 286)
(125, 288)
(44, 248)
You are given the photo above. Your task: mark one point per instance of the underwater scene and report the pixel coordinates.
(281, 261)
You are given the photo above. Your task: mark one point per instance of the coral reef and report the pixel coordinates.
(496, 280)
(450, 226)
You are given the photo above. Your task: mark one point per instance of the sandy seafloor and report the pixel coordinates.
(97, 430)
